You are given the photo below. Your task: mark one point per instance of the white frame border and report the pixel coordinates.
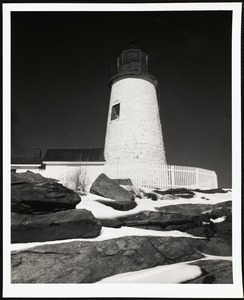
(127, 290)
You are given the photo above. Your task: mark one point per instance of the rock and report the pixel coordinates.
(219, 237)
(119, 205)
(207, 211)
(168, 197)
(213, 271)
(67, 224)
(33, 198)
(152, 196)
(123, 181)
(223, 209)
(217, 213)
(134, 190)
(185, 208)
(181, 192)
(215, 246)
(105, 187)
(223, 229)
(164, 220)
(114, 223)
(87, 262)
(227, 205)
(212, 191)
(141, 193)
(29, 176)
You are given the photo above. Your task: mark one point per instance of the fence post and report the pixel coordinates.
(173, 176)
(215, 181)
(197, 178)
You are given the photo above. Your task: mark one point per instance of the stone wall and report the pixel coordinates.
(136, 136)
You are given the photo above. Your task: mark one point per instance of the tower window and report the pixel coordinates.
(115, 112)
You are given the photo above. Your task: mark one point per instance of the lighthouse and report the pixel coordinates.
(134, 132)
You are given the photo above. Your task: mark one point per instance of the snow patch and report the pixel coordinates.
(102, 211)
(175, 273)
(215, 257)
(218, 220)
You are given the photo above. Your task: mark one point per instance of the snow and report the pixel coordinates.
(215, 257)
(102, 211)
(175, 273)
(218, 220)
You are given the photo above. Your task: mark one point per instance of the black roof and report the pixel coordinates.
(26, 161)
(74, 154)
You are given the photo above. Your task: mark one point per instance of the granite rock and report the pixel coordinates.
(43, 197)
(106, 187)
(87, 262)
(69, 224)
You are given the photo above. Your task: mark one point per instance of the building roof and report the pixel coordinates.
(26, 161)
(74, 154)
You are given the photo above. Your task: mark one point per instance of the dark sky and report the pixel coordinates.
(60, 69)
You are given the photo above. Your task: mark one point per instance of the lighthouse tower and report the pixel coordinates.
(134, 133)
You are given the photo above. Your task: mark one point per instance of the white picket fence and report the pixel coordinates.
(163, 176)
(144, 175)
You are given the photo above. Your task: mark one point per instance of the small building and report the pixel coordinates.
(66, 164)
(26, 163)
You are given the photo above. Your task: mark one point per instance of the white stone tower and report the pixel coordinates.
(134, 133)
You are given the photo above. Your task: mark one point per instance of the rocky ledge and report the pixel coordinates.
(33, 194)
(87, 262)
(43, 210)
(69, 224)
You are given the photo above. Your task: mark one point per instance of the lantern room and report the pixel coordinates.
(131, 61)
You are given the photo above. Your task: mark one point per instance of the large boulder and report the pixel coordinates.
(185, 208)
(162, 220)
(87, 262)
(212, 191)
(70, 224)
(106, 187)
(29, 176)
(119, 205)
(35, 198)
(215, 210)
